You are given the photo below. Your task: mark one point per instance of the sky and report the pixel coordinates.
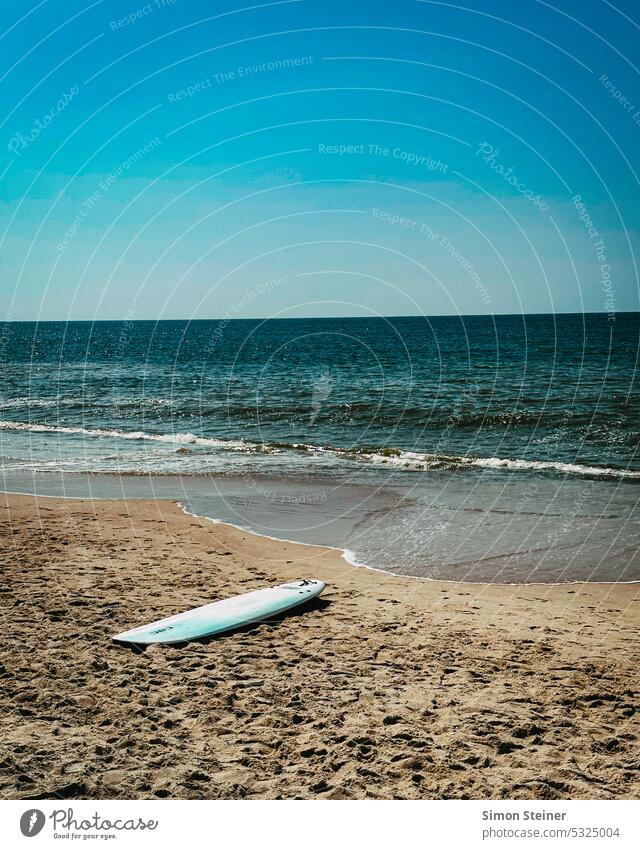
(185, 160)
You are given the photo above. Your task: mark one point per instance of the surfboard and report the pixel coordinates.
(224, 615)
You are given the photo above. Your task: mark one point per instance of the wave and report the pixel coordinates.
(419, 461)
(186, 438)
(373, 455)
(82, 402)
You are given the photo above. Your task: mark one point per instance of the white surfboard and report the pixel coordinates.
(224, 615)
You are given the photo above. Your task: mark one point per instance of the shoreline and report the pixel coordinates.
(344, 552)
(408, 531)
(351, 561)
(386, 688)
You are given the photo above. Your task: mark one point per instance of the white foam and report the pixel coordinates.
(416, 461)
(412, 460)
(172, 438)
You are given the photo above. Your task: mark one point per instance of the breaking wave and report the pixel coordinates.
(372, 455)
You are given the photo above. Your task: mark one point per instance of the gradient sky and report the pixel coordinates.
(216, 192)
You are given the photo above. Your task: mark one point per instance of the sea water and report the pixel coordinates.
(467, 448)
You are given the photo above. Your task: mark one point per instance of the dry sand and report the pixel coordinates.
(386, 688)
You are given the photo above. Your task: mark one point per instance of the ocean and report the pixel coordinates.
(462, 448)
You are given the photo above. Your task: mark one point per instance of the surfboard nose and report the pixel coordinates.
(313, 585)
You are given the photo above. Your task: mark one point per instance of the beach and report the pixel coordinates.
(386, 687)
(476, 448)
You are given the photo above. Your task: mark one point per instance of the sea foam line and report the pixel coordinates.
(351, 558)
(177, 438)
(412, 460)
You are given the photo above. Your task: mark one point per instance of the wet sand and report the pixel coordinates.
(387, 687)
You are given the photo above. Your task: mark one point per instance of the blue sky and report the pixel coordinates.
(197, 160)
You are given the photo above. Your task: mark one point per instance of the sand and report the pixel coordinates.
(386, 687)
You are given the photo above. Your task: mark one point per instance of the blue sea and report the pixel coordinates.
(465, 448)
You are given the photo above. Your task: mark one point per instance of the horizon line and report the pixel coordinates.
(316, 317)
